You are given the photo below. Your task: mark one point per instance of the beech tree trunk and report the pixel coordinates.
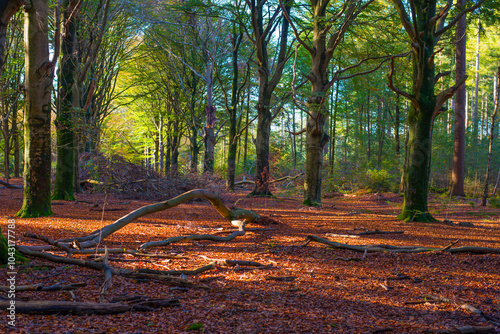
(233, 115)
(424, 26)
(262, 172)
(63, 183)
(38, 84)
(267, 84)
(492, 136)
(458, 169)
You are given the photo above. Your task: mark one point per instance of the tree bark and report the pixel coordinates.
(424, 27)
(7, 9)
(38, 84)
(232, 110)
(209, 135)
(267, 84)
(63, 183)
(458, 169)
(492, 136)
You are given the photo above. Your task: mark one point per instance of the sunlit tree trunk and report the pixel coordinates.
(458, 169)
(492, 136)
(232, 109)
(38, 84)
(475, 117)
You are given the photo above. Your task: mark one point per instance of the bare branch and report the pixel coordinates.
(295, 32)
(298, 132)
(393, 88)
(405, 19)
(440, 75)
(457, 18)
(445, 95)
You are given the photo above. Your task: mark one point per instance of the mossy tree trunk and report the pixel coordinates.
(38, 84)
(424, 26)
(63, 183)
(4, 251)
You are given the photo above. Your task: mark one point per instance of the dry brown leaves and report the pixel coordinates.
(383, 292)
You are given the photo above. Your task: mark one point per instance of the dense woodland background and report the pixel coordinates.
(176, 87)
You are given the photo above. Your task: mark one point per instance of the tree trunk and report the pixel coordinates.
(209, 135)
(417, 170)
(15, 132)
(267, 85)
(316, 141)
(233, 125)
(233, 146)
(7, 9)
(458, 169)
(397, 115)
(262, 173)
(38, 84)
(195, 150)
(492, 136)
(475, 118)
(63, 183)
(6, 149)
(424, 31)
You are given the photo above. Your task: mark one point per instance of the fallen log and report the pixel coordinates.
(41, 287)
(469, 330)
(79, 308)
(172, 240)
(394, 249)
(115, 271)
(233, 215)
(10, 186)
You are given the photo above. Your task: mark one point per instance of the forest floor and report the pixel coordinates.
(301, 289)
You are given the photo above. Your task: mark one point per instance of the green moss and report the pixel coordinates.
(4, 255)
(309, 202)
(410, 216)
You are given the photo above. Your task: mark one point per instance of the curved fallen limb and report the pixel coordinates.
(394, 249)
(234, 214)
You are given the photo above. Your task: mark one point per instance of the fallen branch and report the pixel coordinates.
(469, 330)
(10, 186)
(394, 249)
(115, 271)
(284, 178)
(241, 216)
(379, 232)
(78, 308)
(191, 237)
(281, 279)
(41, 287)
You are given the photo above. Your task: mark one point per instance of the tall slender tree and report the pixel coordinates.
(458, 168)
